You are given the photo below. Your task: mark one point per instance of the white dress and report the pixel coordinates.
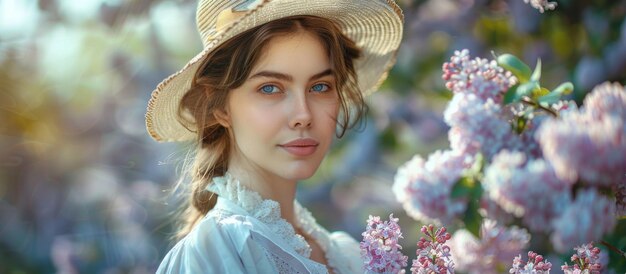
(244, 233)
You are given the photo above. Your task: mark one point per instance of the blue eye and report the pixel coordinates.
(269, 89)
(320, 88)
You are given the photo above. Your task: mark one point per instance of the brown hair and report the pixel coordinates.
(226, 68)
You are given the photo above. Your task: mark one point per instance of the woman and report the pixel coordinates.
(262, 102)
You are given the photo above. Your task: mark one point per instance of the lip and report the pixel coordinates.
(301, 147)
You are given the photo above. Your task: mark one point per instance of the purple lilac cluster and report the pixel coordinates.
(586, 260)
(492, 252)
(433, 255)
(589, 144)
(478, 126)
(380, 250)
(589, 217)
(526, 188)
(535, 265)
(541, 5)
(480, 77)
(476, 118)
(424, 187)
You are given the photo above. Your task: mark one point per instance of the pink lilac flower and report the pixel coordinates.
(478, 126)
(589, 144)
(492, 252)
(607, 99)
(587, 219)
(586, 260)
(433, 255)
(380, 250)
(564, 108)
(480, 77)
(424, 187)
(535, 265)
(541, 5)
(526, 188)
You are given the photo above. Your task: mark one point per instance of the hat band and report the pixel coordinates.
(229, 16)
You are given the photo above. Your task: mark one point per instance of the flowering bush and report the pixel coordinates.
(523, 160)
(553, 166)
(520, 155)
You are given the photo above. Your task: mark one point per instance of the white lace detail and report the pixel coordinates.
(264, 210)
(284, 267)
(307, 223)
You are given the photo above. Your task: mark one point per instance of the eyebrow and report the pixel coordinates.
(287, 77)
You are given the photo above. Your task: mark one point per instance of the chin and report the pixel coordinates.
(299, 172)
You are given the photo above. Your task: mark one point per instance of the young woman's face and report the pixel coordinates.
(283, 117)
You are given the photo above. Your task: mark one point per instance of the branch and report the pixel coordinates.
(613, 248)
(548, 110)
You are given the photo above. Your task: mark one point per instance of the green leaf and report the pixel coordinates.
(462, 187)
(537, 73)
(549, 99)
(540, 92)
(472, 219)
(509, 96)
(520, 125)
(564, 89)
(515, 66)
(555, 95)
(527, 89)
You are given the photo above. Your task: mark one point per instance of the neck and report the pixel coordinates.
(269, 186)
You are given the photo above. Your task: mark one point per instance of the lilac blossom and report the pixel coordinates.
(526, 188)
(380, 250)
(424, 187)
(433, 255)
(480, 77)
(586, 260)
(541, 5)
(492, 252)
(535, 265)
(589, 217)
(478, 126)
(589, 144)
(606, 100)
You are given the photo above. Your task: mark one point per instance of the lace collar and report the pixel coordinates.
(264, 210)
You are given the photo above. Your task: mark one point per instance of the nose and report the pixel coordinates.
(301, 113)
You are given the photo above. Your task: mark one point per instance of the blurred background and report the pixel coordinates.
(83, 188)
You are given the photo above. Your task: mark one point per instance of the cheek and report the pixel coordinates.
(328, 114)
(254, 121)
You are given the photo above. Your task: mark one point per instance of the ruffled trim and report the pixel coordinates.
(264, 210)
(309, 225)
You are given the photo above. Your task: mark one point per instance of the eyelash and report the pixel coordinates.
(262, 88)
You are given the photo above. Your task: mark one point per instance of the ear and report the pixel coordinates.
(222, 117)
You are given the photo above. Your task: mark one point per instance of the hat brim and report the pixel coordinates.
(374, 25)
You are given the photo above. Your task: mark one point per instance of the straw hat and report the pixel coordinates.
(374, 25)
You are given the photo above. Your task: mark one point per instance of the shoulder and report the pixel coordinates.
(342, 250)
(345, 253)
(220, 242)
